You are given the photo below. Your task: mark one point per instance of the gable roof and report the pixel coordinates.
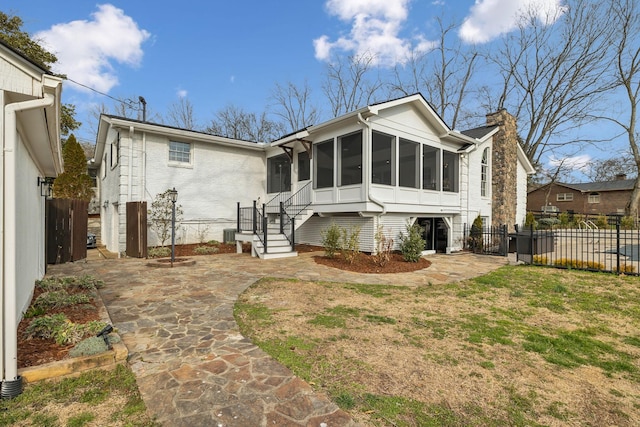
(481, 132)
(602, 186)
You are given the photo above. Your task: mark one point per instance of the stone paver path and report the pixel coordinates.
(192, 365)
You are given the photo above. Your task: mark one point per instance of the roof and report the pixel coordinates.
(588, 187)
(479, 132)
(37, 64)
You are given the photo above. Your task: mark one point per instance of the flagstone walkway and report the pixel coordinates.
(192, 365)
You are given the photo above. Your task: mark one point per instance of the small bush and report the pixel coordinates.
(578, 264)
(548, 222)
(92, 345)
(384, 245)
(601, 221)
(59, 299)
(59, 328)
(213, 243)
(475, 238)
(350, 244)
(159, 252)
(540, 259)
(564, 219)
(412, 243)
(627, 268)
(627, 223)
(206, 250)
(331, 240)
(530, 220)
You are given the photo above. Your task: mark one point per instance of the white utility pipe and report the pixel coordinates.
(10, 331)
(367, 185)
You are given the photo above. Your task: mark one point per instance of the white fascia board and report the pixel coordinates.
(522, 157)
(186, 134)
(291, 138)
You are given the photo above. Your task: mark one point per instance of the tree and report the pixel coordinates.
(11, 33)
(554, 72)
(443, 75)
(610, 169)
(234, 122)
(627, 76)
(74, 182)
(293, 105)
(180, 114)
(349, 83)
(160, 215)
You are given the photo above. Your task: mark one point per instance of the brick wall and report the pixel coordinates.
(610, 201)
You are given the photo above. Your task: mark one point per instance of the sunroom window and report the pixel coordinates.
(383, 159)
(450, 171)
(350, 147)
(323, 162)
(430, 168)
(408, 152)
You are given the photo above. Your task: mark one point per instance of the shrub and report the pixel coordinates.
(540, 259)
(601, 221)
(412, 243)
(92, 345)
(530, 220)
(213, 243)
(350, 244)
(159, 252)
(59, 299)
(206, 250)
(384, 245)
(59, 328)
(331, 240)
(564, 219)
(627, 223)
(578, 264)
(627, 268)
(548, 222)
(475, 238)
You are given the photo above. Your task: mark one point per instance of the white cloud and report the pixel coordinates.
(491, 18)
(182, 93)
(88, 49)
(575, 163)
(375, 31)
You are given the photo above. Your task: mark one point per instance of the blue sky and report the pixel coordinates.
(220, 53)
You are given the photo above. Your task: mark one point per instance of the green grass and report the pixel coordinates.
(534, 317)
(93, 389)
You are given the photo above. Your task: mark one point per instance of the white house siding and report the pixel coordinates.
(30, 221)
(521, 207)
(110, 188)
(393, 225)
(477, 204)
(311, 231)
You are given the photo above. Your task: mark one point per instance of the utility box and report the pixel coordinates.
(229, 235)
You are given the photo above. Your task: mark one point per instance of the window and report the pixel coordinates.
(179, 152)
(408, 152)
(304, 166)
(350, 147)
(430, 168)
(594, 198)
(383, 159)
(115, 151)
(564, 197)
(323, 170)
(278, 174)
(484, 173)
(450, 171)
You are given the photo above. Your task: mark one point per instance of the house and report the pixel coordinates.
(31, 153)
(595, 198)
(383, 165)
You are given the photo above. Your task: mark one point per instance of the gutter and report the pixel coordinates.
(367, 184)
(11, 382)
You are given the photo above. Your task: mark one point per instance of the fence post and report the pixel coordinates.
(618, 244)
(264, 229)
(293, 234)
(254, 219)
(531, 242)
(238, 219)
(505, 240)
(281, 218)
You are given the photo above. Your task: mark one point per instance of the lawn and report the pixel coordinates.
(95, 398)
(520, 346)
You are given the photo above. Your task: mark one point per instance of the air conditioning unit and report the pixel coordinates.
(229, 235)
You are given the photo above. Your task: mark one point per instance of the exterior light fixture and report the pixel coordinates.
(173, 196)
(46, 186)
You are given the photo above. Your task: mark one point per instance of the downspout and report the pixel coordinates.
(367, 183)
(11, 382)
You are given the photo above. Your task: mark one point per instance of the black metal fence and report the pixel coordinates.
(487, 240)
(607, 248)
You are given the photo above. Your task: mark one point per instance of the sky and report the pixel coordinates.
(221, 53)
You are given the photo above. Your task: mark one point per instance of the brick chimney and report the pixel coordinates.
(504, 168)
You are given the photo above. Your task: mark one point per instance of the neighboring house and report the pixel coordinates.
(608, 197)
(30, 125)
(382, 165)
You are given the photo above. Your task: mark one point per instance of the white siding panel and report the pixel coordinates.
(311, 231)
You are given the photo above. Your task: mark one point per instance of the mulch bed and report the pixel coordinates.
(366, 264)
